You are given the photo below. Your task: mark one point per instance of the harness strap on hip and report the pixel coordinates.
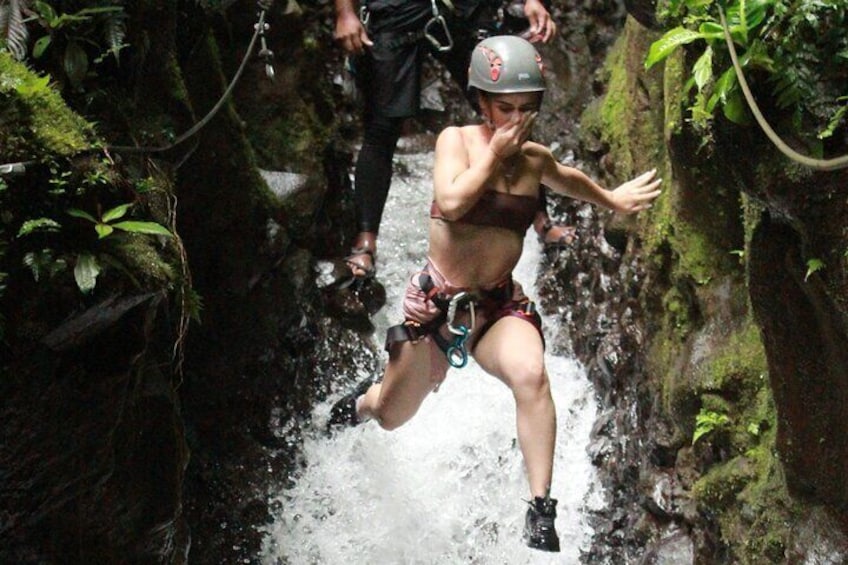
(411, 330)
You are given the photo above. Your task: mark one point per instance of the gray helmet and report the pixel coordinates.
(505, 64)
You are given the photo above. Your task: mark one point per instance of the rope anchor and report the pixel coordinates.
(265, 54)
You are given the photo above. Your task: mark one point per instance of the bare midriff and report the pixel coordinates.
(474, 257)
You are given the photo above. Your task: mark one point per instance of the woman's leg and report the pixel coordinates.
(512, 350)
(405, 385)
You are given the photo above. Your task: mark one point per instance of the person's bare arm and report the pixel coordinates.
(350, 32)
(630, 197)
(542, 25)
(458, 183)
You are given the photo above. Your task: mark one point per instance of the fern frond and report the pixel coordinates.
(12, 28)
(115, 31)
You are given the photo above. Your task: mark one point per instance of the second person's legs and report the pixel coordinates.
(373, 177)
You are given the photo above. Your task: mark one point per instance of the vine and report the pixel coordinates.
(799, 46)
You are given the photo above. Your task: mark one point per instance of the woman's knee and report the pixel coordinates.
(529, 379)
(391, 419)
(390, 416)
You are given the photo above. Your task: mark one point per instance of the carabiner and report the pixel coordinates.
(438, 20)
(457, 354)
(459, 299)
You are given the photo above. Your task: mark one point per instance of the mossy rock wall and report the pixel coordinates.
(101, 415)
(93, 449)
(744, 347)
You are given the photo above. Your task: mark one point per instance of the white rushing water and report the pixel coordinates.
(448, 487)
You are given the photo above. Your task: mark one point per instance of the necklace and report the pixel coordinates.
(509, 169)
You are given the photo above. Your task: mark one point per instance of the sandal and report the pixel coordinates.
(360, 259)
(567, 236)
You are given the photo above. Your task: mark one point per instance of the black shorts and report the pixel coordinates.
(389, 73)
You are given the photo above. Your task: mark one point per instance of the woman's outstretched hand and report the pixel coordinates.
(636, 194)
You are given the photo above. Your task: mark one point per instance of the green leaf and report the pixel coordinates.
(75, 63)
(41, 46)
(736, 109)
(833, 123)
(77, 213)
(707, 421)
(813, 265)
(103, 230)
(711, 30)
(143, 227)
(116, 212)
(86, 271)
(47, 13)
(33, 86)
(665, 45)
(703, 69)
(725, 84)
(756, 12)
(38, 224)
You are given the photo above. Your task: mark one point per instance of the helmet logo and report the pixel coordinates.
(495, 63)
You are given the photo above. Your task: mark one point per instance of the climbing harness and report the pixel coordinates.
(435, 31)
(496, 303)
(457, 353)
(819, 164)
(438, 24)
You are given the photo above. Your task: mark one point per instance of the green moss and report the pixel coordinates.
(674, 75)
(140, 257)
(635, 143)
(738, 367)
(758, 525)
(747, 493)
(615, 111)
(718, 488)
(34, 113)
(705, 352)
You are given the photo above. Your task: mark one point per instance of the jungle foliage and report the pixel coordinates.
(799, 48)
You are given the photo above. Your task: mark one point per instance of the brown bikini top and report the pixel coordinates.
(498, 209)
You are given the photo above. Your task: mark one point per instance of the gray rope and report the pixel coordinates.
(259, 30)
(818, 164)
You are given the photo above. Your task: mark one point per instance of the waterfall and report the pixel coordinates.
(447, 487)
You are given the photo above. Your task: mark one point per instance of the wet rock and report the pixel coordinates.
(674, 548)
(354, 304)
(658, 489)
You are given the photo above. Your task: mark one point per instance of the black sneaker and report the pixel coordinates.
(539, 529)
(343, 413)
